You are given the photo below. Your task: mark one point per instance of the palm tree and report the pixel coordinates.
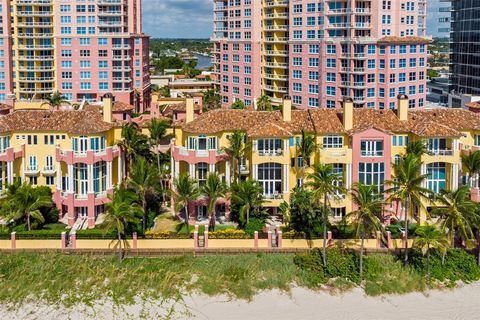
(429, 237)
(306, 148)
(158, 133)
(214, 188)
(417, 148)
(286, 212)
(184, 191)
(264, 103)
(456, 212)
(26, 204)
(55, 100)
(211, 99)
(367, 218)
(236, 150)
(325, 183)
(143, 180)
(471, 163)
(407, 188)
(120, 212)
(248, 196)
(133, 143)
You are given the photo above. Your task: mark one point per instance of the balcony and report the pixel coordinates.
(32, 170)
(270, 153)
(87, 157)
(48, 170)
(439, 152)
(196, 156)
(9, 154)
(335, 155)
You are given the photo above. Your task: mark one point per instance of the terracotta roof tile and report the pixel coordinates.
(73, 121)
(425, 123)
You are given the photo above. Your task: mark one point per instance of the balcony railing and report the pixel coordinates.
(270, 153)
(369, 153)
(439, 152)
(273, 196)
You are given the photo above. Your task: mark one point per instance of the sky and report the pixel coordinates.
(193, 18)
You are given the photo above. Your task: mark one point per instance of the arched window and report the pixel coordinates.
(397, 158)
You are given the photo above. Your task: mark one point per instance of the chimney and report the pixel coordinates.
(287, 109)
(108, 100)
(348, 113)
(189, 109)
(402, 111)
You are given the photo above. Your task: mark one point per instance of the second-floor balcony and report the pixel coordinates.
(195, 156)
(87, 156)
(32, 170)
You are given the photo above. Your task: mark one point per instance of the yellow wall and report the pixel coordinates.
(5, 244)
(39, 244)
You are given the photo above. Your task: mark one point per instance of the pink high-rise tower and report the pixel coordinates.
(82, 49)
(318, 52)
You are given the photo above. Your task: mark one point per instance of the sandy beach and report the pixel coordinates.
(460, 303)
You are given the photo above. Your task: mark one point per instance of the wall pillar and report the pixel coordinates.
(134, 241)
(378, 237)
(286, 179)
(195, 239)
(63, 239)
(211, 168)
(191, 170)
(389, 240)
(279, 239)
(205, 238)
(329, 238)
(13, 240)
(71, 211)
(59, 176)
(255, 239)
(177, 169)
(269, 237)
(120, 166)
(73, 240)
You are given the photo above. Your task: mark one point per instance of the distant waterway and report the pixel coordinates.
(204, 62)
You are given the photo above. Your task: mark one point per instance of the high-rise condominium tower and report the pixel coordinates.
(465, 47)
(82, 49)
(320, 51)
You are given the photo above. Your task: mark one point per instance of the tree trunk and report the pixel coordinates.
(144, 204)
(28, 222)
(405, 261)
(248, 215)
(361, 255)
(303, 174)
(325, 230)
(120, 254)
(428, 265)
(187, 216)
(212, 216)
(160, 177)
(239, 173)
(478, 246)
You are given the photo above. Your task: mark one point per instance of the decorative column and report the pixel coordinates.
(191, 170)
(10, 172)
(177, 169)
(211, 168)
(90, 188)
(227, 172)
(109, 175)
(70, 178)
(348, 175)
(286, 182)
(423, 171)
(120, 166)
(455, 176)
(59, 176)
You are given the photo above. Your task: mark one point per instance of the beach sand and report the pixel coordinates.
(460, 303)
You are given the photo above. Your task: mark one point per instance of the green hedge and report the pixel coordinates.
(95, 234)
(167, 235)
(228, 234)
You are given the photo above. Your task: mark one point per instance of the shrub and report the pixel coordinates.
(293, 234)
(228, 234)
(384, 274)
(460, 265)
(253, 225)
(340, 264)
